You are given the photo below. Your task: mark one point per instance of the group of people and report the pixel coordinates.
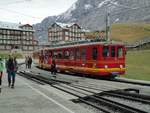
(11, 69)
(28, 62)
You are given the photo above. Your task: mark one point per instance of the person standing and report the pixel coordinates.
(12, 67)
(1, 72)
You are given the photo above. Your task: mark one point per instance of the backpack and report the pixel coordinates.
(10, 65)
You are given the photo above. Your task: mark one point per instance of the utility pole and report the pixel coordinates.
(107, 25)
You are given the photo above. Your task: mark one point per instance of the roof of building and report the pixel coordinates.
(64, 25)
(15, 26)
(67, 25)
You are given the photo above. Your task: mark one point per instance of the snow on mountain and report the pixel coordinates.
(68, 13)
(87, 6)
(91, 14)
(102, 3)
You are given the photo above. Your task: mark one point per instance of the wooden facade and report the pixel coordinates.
(61, 32)
(17, 36)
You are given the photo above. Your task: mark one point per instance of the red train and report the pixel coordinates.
(93, 58)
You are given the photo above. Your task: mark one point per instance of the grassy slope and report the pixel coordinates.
(130, 32)
(5, 55)
(138, 65)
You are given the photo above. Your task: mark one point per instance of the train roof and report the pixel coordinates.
(83, 43)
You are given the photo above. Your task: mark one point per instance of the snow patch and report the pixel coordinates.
(116, 20)
(68, 14)
(102, 3)
(87, 6)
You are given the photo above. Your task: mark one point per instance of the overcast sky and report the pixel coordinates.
(31, 11)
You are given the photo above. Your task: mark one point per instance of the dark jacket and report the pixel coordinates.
(11, 65)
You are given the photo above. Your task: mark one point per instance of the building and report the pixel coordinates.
(17, 36)
(61, 32)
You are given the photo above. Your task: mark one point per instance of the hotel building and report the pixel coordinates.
(17, 36)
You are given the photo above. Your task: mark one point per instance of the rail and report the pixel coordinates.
(139, 43)
(93, 100)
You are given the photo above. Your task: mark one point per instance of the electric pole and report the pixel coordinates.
(107, 25)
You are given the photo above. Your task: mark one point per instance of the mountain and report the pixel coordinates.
(91, 14)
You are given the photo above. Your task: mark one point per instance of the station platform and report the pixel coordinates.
(30, 97)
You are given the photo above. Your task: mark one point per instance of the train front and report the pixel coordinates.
(112, 60)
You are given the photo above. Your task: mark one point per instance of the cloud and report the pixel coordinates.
(32, 11)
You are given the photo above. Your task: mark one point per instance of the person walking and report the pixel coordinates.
(30, 62)
(26, 62)
(1, 72)
(12, 67)
(53, 67)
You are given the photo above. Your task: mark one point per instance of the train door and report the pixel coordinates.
(106, 53)
(106, 56)
(94, 56)
(46, 56)
(66, 57)
(50, 57)
(83, 56)
(59, 57)
(121, 56)
(72, 58)
(77, 58)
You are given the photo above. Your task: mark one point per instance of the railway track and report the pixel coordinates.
(88, 96)
(118, 80)
(130, 82)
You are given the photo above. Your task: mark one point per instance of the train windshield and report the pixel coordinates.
(105, 51)
(120, 52)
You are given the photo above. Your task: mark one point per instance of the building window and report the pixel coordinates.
(66, 33)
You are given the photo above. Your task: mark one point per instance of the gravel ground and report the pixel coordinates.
(90, 108)
(102, 85)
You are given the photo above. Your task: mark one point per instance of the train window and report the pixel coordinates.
(66, 54)
(83, 54)
(71, 55)
(105, 51)
(77, 54)
(120, 52)
(94, 54)
(50, 53)
(113, 51)
(59, 55)
(55, 54)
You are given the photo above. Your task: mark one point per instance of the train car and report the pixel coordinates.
(94, 59)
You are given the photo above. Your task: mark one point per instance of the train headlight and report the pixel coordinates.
(121, 66)
(106, 66)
